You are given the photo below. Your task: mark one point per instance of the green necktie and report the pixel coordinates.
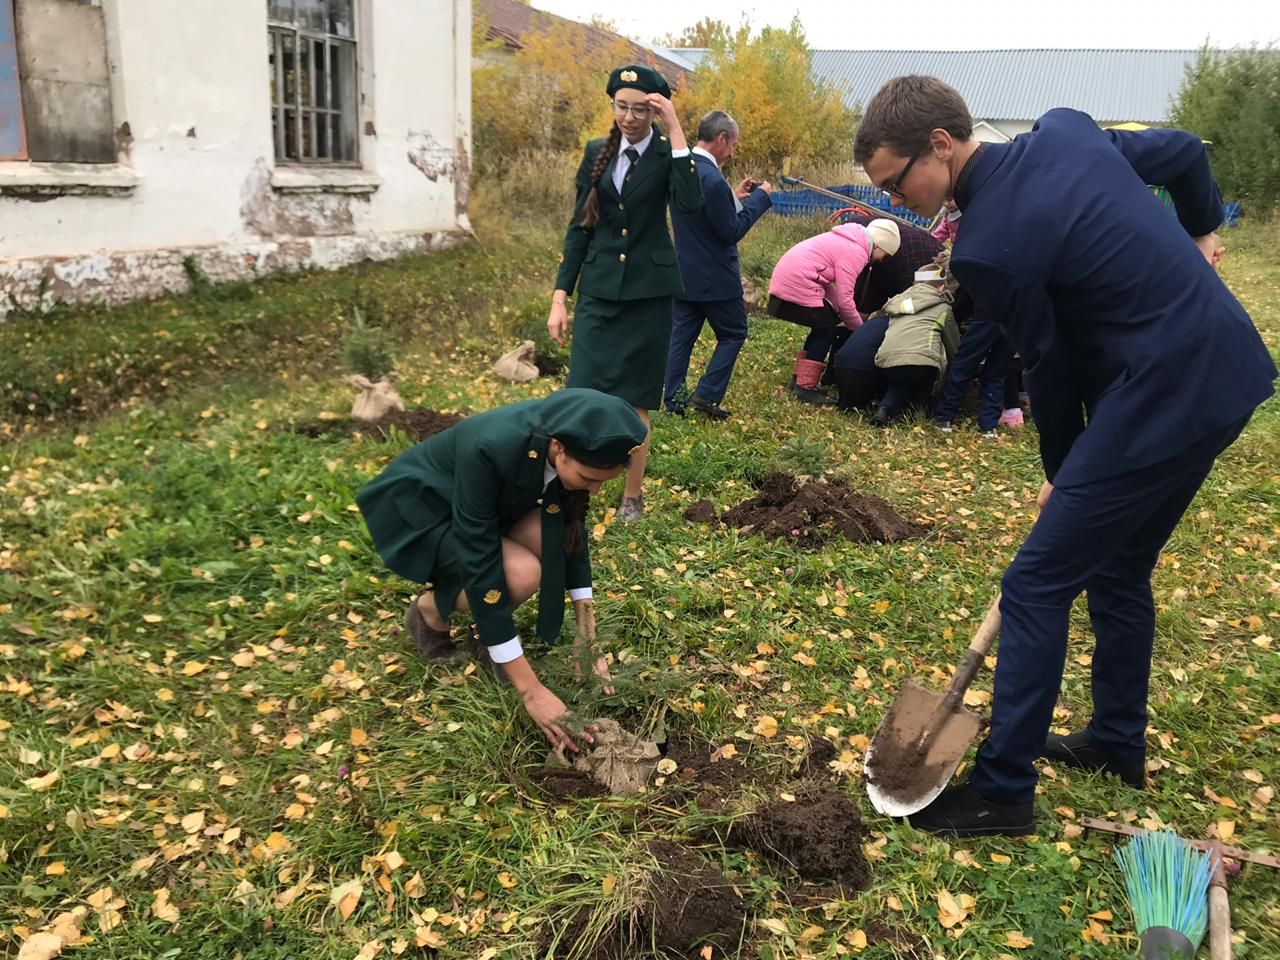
(551, 589)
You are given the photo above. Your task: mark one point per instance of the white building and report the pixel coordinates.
(256, 135)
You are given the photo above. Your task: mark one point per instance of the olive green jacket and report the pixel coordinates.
(628, 254)
(467, 486)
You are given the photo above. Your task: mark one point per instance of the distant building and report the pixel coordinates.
(252, 136)
(1008, 90)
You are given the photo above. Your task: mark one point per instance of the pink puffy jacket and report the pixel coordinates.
(825, 267)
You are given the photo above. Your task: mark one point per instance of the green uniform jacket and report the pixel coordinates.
(922, 330)
(628, 254)
(467, 486)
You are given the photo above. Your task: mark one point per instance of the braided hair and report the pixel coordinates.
(591, 205)
(576, 503)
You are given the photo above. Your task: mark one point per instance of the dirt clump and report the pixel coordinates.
(815, 765)
(567, 784)
(685, 904)
(819, 835)
(417, 424)
(810, 513)
(701, 511)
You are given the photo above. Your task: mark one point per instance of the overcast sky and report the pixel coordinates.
(980, 24)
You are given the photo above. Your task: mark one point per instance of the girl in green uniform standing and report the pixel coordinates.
(619, 253)
(490, 512)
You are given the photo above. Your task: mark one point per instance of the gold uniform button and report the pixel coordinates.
(621, 207)
(624, 231)
(533, 454)
(622, 257)
(663, 139)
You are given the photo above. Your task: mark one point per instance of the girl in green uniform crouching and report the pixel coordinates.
(490, 512)
(618, 252)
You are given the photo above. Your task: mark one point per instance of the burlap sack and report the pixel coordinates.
(374, 400)
(516, 366)
(619, 760)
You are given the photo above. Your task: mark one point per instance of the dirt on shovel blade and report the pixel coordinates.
(896, 767)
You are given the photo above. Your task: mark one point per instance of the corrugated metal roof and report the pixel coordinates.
(1109, 85)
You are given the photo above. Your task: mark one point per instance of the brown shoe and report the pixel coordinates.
(434, 646)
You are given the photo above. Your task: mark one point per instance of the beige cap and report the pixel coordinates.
(884, 234)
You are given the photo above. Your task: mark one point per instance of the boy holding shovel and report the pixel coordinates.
(1142, 368)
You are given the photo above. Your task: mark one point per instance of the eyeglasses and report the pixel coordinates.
(638, 110)
(895, 189)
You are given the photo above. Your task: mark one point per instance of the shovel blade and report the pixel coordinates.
(900, 780)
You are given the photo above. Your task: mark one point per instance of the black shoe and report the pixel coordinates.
(1077, 750)
(816, 398)
(961, 811)
(676, 409)
(712, 410)
(880, 417)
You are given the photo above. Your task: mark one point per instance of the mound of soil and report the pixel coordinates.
(821, 752)
(686, 905)
(701, 511)
(819, 835)
(809, 514)
(567, 783)
(417, 424)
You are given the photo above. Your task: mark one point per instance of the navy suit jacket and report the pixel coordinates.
(1115, 311)
(707, 240)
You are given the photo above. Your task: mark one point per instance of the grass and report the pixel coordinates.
(196, 635)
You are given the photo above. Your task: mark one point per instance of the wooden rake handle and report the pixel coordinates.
(1219, 911)
(981, 643)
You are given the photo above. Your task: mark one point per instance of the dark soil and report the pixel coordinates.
(821, 752)
(564, 784)
(688, 904)
(715, 782)
(904, 943)
(701, 511)
(810, 514)
(417, 424)
(819, 835)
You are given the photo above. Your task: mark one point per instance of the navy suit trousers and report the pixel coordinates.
(728, 319)
(1102, 537)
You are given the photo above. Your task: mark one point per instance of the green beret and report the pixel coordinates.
(598, 429)
(644, 79)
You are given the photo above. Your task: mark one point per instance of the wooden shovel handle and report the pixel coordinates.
(988, 630)
(1219, 913)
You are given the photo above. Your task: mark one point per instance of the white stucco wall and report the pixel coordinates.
(191, 106)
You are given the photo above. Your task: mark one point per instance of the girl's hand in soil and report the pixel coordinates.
(545, 708)
(558, 321)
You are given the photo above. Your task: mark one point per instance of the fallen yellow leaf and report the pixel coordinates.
(952, 910)
(346, 897)
(426, 937)
(1016, 939)
(507, 880)
(193, 667)
(766, 726)
(608, 884)
(295, 811)
(358, 737)
(162, 909)
(1000, 858)
(41, 784)
(856, 939)
(193, 822)
(1226, 830)
(55, 869)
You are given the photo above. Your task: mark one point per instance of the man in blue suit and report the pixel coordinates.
(1142, 369)
(707, 245)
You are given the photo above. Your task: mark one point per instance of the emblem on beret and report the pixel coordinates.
(533, 454)
(628, 76)
(492, 597)
(634, 450)
(553, 508)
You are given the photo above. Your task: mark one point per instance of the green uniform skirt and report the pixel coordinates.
(620, 348)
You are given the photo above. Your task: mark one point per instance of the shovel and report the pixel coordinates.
(923, 736)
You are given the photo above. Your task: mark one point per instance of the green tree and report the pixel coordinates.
(707, 32)
(1232, 98)
(766, 82)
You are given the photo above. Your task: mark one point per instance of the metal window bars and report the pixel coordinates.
(311, 51)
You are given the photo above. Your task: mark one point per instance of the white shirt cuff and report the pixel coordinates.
(677, 154)
(506, 652)
(580, 593)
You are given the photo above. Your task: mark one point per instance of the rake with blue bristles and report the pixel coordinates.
(1167, 881)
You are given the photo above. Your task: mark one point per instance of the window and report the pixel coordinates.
(311, 49)
(55, 89)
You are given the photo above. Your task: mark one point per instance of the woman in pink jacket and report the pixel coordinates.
(813, 285)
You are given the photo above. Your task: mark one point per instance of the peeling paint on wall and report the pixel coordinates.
(429, 155)
(268, 213)
(121, 277)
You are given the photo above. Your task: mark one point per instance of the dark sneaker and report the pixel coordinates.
(434, 646)
(1077, 750)
(712, 410)
(961, 811)
(881, 416)
(816, 398)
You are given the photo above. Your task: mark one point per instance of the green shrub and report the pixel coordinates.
(365, 349)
